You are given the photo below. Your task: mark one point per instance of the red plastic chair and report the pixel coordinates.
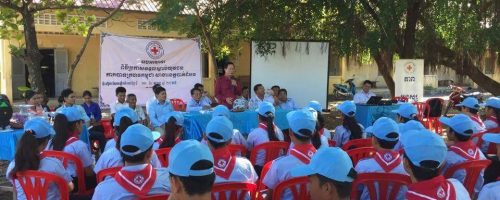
(36, 184)
(331, 143)
(178, 104)
(298, 187)
(383, 180)
(155, 197)
(357, 143)
(261, 188)
(108, 128)
(432, 122)
(233, 191)
(65, 159)
(435, 125)
(101, 175)
(238, 150)
(420, 109)
(273, 150)
(163, 156)
(472, 170)
(359, 153)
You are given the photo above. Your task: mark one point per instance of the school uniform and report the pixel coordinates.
(323, 142)
(383, 161)
(230, 168)
(403, 128)
(113, 158)
(236, 139)
(78, 148)
(255, 101)
(478, 122)
(259, 136)
(133, 181)
(117, 106)
(195, 106)
(437, 188)
(111, 143)
(47, 164)
(490, 122)
(461, 152)
(490, 191)
(80, 109)
(342, 135)
(289, 104)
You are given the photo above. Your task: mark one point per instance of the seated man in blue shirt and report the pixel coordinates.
(285, 103)
(197, 103)
(161, 106)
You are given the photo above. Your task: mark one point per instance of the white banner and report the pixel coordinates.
(409, 78)
(139, 63)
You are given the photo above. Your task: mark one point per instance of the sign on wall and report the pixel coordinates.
(138, 63)
(409, 78)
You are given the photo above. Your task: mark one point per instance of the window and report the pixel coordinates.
(144, 24)
(51, 19)
(334, 66)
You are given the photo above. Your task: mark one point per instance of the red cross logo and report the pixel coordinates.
(409, 67)
(154, 50)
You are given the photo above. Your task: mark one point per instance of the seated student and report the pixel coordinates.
(68, 100)
(191, 173)
(34, 99)
(197, 103)
(302, 124)
(174, 122)
(403, 128)
(132, 103)
(350, 129)
(406, 112)
(284, 102)
(470, 106)
(385, 160)
(37, 133)
(138, 177)
(204, 94)
(460, 130)
(68, 124)
(228, 168)
(265, 132)
(260, 96)
(124, 118)
(161, 106)
(492, 113)
(321, 134)
(120, 93)
(152, 98)
(424, 155)
(363, 96)
(237, 138)
(492, 173)
(328, 180)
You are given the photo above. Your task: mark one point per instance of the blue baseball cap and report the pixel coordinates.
(179, 118)
(470, 102)
(422, 145)
(138, 136)
(369, 129)
(492, 137)
(221, 110)
(301, 119)
(71, 113)
(383, 126)
(348, 108)
(338, 167)
(125, 112)
(186, 153)
(460, 123)
(406, 110)
(222, 126)
(265, 107)
(314, 105)
(493, 102)
(410, 125)
(40, 127)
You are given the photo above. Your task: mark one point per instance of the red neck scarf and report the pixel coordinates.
(321, 131)
(264, 126)
(492, 118)
(70, 140)
(437, 188)
(467, 150)
(224, 162)
(387, 159)
(303, 152)
(477, 119)
(137, 182)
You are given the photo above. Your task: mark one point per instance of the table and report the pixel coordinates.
(367, 114)
(196, 122)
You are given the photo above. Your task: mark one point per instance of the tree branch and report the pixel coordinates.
(10, 5)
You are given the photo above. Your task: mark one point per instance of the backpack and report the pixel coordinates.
(5, 112)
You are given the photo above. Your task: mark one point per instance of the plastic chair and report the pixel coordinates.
(260, 186)
(360, 153)
(101, 175)
(273, 150)
(435, 125)
(178, 104)
(36, 184)
(297, 186)
(238, 150)
(65, 159)
(163, 156)
(420, 110)
(108, 128)
(384, 181)
(433, 108)
(237, 191)
(154, 197)
(331, 143)
(472, 169)
(357, 143)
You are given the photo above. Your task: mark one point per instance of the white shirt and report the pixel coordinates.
(490, 191)
(342, 135)
(117, 106)
(243, 172)
(259, 136)
(362, 97)
(47, 164)
(280, 171)
(109, 189)
(194, 106)
(254, 102)
(140, 112)
(112, 158)
(453, 159)
(322, 139)
(289, 104)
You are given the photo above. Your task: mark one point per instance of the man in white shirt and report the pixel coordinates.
(260, 96)
(121, 93)
(363, 96)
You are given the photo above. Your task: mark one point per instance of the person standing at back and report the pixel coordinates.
(363, 96)
(227, 87)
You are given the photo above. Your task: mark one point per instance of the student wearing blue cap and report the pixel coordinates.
(191, 171)
(328, 180)
(406, 112)
(321, 134)
(174, 122)
(385, 159)
(68, 124)
(460, 130)
(492, 173)
(137, 178)
(124, 117)
(302, 125)
(403, 128)
(265, 132)
(492, 113)
(260, 97)
(161, 106)
(237, 138)
(197, 103)
(37, 133)
(350, 128)
(228, 168)
(423, 159)
(470, 106)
